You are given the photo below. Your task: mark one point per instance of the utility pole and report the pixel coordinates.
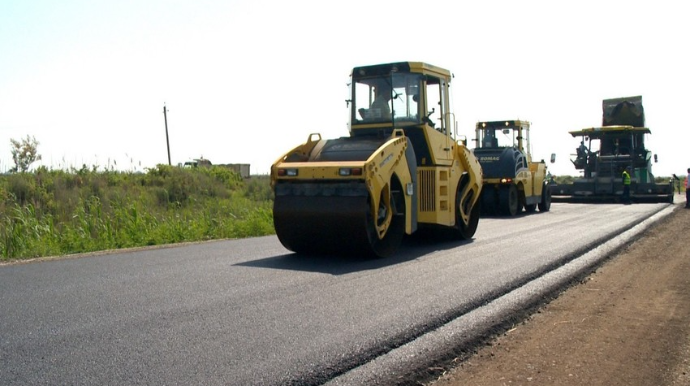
(167, 139)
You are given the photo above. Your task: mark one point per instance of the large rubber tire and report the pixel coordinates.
(461, 230)
(509, 200)
(488, 201)
(531, 208)
(545, 204)
(467, 231)
(391, 240)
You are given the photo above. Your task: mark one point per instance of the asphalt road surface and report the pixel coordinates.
(249, 312)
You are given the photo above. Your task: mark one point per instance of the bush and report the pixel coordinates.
(82, 210)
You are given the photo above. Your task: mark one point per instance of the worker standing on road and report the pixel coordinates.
(687, 190)
(626, 186)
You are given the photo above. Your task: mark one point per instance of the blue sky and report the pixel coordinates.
(245, 81)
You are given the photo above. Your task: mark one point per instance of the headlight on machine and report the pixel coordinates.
(287, 172)
(345, 172)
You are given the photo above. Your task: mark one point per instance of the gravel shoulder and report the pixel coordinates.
(627, 323)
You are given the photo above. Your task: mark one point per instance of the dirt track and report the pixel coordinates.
(628, 324)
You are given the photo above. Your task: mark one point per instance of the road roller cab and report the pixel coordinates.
(401, 168)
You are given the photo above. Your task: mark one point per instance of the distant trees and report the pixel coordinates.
(24, 153)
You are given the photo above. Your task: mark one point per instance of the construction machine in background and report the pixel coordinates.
(512, 181)
(604, 152)
(401, 169)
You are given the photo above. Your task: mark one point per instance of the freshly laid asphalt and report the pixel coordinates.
(249, 312)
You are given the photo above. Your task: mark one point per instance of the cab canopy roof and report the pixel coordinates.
(502, 124)
(598, 132)
(386, 69)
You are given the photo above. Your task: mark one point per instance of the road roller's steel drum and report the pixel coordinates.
(327, 218)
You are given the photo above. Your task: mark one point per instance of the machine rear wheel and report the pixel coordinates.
(488, 200)
(466, 231)
(509, 200)
(393, 233)
(545, 203)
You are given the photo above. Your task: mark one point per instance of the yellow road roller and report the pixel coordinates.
(402, 168)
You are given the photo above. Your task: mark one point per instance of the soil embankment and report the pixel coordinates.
(626, 324)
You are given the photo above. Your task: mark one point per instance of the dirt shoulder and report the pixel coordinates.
(628, 323)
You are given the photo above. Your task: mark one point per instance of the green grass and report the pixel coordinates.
(57, 212)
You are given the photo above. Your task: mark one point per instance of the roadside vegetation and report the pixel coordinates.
(56, 212)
